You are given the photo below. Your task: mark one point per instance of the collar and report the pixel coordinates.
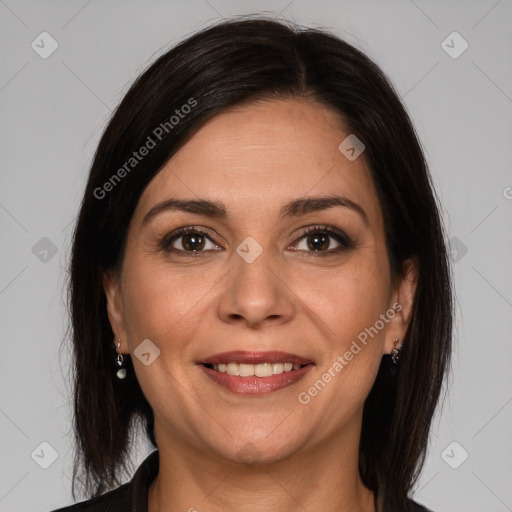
(139, 485)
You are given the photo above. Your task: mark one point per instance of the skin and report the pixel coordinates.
(254, 159)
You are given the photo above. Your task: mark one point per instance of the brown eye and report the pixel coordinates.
(193, 242)
(318, 239)
(188, 240)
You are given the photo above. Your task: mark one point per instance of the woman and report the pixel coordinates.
(259, 278)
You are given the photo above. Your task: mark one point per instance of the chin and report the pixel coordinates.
(251, 451)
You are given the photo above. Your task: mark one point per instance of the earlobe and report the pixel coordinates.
(112, 288)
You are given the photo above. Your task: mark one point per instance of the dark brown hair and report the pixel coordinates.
(227, 64)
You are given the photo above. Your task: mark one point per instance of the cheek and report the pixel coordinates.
(160, 302)
(348, 304)
(166, 305)
(347, 299)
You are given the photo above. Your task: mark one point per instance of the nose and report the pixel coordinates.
(257, 293)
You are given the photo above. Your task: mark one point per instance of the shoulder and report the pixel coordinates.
(410, 506)
(117, 500)
(416, 507)
(129, 496)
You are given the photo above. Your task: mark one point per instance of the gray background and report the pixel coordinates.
(53, 111)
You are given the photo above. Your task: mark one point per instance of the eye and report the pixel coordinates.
(188, 239)
(317, 239)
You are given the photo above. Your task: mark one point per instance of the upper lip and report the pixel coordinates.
(246, 357)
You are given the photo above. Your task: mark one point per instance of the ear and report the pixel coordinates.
(402, 303)
(112, 288)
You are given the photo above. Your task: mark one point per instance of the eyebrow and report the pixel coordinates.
(217, 210)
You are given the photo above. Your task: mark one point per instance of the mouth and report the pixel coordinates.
(255, 373)
(257, 370)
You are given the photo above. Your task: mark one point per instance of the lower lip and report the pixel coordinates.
(256, 385)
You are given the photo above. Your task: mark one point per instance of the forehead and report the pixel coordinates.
(262, 155)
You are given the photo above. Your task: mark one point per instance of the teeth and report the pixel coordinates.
(233, 369)
(277, 368)
(258, 370)
(246, 370)
(263, 370)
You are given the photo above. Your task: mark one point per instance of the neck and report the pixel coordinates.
(323, 477)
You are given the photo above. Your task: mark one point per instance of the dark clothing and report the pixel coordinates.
(133, 496)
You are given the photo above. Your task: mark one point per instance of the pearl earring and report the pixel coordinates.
(395, 353)
(119, 361)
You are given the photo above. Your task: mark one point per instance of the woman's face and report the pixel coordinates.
(249, 281)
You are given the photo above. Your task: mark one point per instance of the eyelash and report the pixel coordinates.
(342, 238)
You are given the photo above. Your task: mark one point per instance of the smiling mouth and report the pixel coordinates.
(254, 370)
